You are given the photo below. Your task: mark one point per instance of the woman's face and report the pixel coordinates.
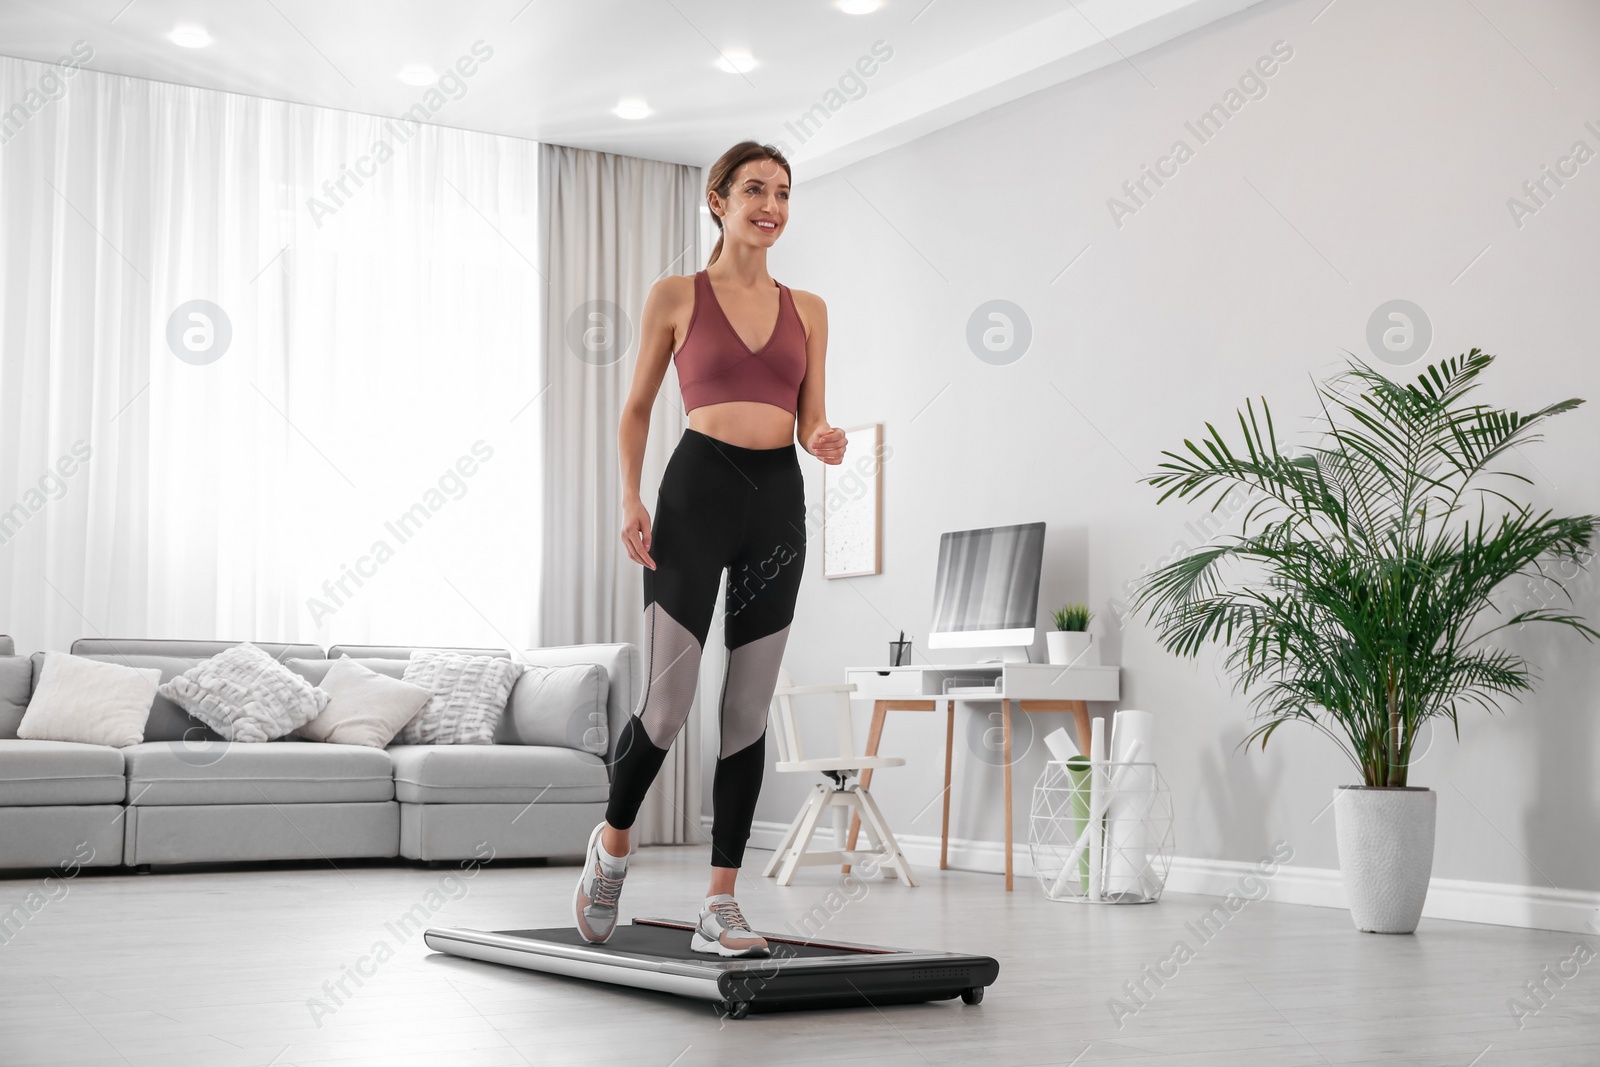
(757, 207)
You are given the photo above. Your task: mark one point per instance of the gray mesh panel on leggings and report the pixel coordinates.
(674, 668)
(747, 690)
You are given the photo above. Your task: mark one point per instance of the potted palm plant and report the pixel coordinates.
(1357, 597)
(1071, 643)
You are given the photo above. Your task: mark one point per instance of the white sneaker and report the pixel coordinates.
(594, 905)
(722, 930)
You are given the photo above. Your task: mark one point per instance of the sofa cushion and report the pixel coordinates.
(244, 694)
(7, 648)
(365, 707)
(403, 652)
(314, 670)
(16, 683)
(89, 701)
(167, 721)
(60, 773)
(563, 706)
(469, 697)
(230, 772)
(497, 774)
(624, 678)
(181, 649)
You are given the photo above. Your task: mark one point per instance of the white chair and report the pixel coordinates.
(842, 791)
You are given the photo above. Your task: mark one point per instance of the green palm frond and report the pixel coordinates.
(1353, 597)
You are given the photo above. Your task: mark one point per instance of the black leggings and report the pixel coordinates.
(719, 506)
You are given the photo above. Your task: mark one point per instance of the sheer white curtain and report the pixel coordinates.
(613, 225)
(360, 463)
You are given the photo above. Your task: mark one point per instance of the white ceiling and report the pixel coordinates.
(559, 67)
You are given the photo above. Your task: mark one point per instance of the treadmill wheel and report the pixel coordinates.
(738, 1009)
(972, 995)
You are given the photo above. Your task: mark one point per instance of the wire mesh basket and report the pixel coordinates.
(1127, 861)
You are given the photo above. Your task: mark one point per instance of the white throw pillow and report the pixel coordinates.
(364, 707)
(469, 696)
(245, 695)
(90, 702)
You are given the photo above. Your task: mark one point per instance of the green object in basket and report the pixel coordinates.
(1078, 775)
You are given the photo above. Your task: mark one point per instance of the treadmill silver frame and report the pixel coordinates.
(688, 978)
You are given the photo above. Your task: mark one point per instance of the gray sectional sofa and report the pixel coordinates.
(185, 796)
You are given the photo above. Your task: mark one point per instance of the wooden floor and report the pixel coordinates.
(226, 967)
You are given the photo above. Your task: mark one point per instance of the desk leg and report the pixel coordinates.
(874, 735)
(1005, 723)
(949, 746)
(1080, 719)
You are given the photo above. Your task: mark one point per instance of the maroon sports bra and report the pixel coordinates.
(715, 366)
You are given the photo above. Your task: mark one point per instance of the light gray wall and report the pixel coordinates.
(1377, 166)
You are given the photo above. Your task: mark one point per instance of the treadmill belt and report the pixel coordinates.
(672, 942)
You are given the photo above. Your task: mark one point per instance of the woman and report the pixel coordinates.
(731, 496)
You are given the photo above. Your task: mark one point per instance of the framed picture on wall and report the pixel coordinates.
(852, 506)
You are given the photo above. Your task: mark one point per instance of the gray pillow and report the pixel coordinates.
(16, 683)
(469, 697)
(245, 695)
(563, 706)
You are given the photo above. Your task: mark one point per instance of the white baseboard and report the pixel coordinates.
(1493, 903)
(1534, 907)
(1318, 887)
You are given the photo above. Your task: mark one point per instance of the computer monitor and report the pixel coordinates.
(987, 591)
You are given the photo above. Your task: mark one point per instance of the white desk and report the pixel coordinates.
(1033, 687)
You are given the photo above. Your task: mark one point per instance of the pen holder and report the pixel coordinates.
(899, 653)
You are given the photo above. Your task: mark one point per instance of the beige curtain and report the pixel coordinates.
(612, 226)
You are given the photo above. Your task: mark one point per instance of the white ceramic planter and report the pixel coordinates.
(1071, 647)
(1385, 853)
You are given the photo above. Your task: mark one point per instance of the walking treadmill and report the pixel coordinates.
(798, 973)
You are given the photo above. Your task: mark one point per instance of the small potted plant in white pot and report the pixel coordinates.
(1358, 594)
(1071, 643)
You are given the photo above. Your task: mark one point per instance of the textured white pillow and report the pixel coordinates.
(364, 707)
(245, 695)
(90, 702)
(469, 696)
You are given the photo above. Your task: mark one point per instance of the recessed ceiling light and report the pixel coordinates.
(417, 74)
(632, 109)
(189, 36)
(736, 62)
(859, 7)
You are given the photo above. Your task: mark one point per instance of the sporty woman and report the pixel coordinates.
(749, 353)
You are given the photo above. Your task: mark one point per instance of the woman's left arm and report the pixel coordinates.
(811, 419)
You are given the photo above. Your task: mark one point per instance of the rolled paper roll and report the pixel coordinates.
(1099, 786)
(1061, 745)
(1127, 808)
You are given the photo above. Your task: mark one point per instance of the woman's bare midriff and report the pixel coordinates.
(745, 423)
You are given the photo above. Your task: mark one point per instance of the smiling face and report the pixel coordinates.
(757, 206)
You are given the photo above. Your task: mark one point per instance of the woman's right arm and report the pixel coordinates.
(655, 355)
